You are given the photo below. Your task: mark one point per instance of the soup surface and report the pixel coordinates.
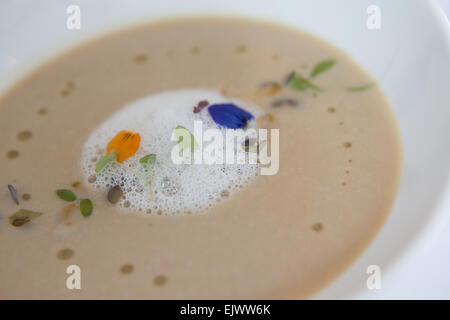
(282, 236)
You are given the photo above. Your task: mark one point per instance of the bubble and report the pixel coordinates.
(174, 189)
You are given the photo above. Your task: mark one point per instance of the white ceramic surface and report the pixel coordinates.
(409, 56)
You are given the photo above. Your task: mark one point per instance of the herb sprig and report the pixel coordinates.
(145, 161)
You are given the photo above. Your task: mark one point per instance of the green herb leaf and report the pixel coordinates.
(103, 161)
(362, 88)
(182, 132)
(23, 216)
(298, 82)
(66, 195)
(148, 159)
(322, 67)
(86, 207)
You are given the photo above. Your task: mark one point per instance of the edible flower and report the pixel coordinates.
(125, 143)
(229, 115)
(201, 105)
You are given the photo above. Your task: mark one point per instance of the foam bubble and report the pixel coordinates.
(177, 189)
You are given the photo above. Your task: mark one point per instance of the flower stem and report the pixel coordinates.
(139, 176)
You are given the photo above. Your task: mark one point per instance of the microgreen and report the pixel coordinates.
(22, 217)
(322, 67)
(86, 207)
(361, 88)
(105, 160)
(66, 195)
(146, 162)
(298, 82)
(185, 138)
(148, 159)
(229, 115)
(112, 158)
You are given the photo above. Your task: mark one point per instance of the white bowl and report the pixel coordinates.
(409, 56)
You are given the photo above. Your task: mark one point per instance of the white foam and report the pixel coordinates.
(178, 189)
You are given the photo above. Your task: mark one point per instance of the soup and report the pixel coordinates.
(284, 235)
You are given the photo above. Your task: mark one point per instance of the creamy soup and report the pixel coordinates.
(284, 235)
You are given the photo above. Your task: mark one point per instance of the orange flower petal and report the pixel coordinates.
(125, 143)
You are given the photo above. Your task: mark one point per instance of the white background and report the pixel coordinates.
(427, 274)
(445, 5)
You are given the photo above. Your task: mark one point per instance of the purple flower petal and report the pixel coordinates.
(230, 116)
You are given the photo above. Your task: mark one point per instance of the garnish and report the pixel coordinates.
(66, 195)
(285, 102)
(181, 132)
(146, 162)
(298, 82)
(229, 115)
(114, 194)
(103, 161)
(22, 217)
(201, 105)
(269, 88)
(361, 88)
(125, 143)
(86, 207)
(257, 149)
(322, 67)
(148, 159)
(13, 193)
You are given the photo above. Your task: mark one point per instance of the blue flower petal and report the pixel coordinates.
(229, 115)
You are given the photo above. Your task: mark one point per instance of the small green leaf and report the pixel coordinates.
(298, 82)
(190, 143)
(86, 207)
(103, 161)
(362, 88)
(148, 159)
(322, 67)
(66, 195)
